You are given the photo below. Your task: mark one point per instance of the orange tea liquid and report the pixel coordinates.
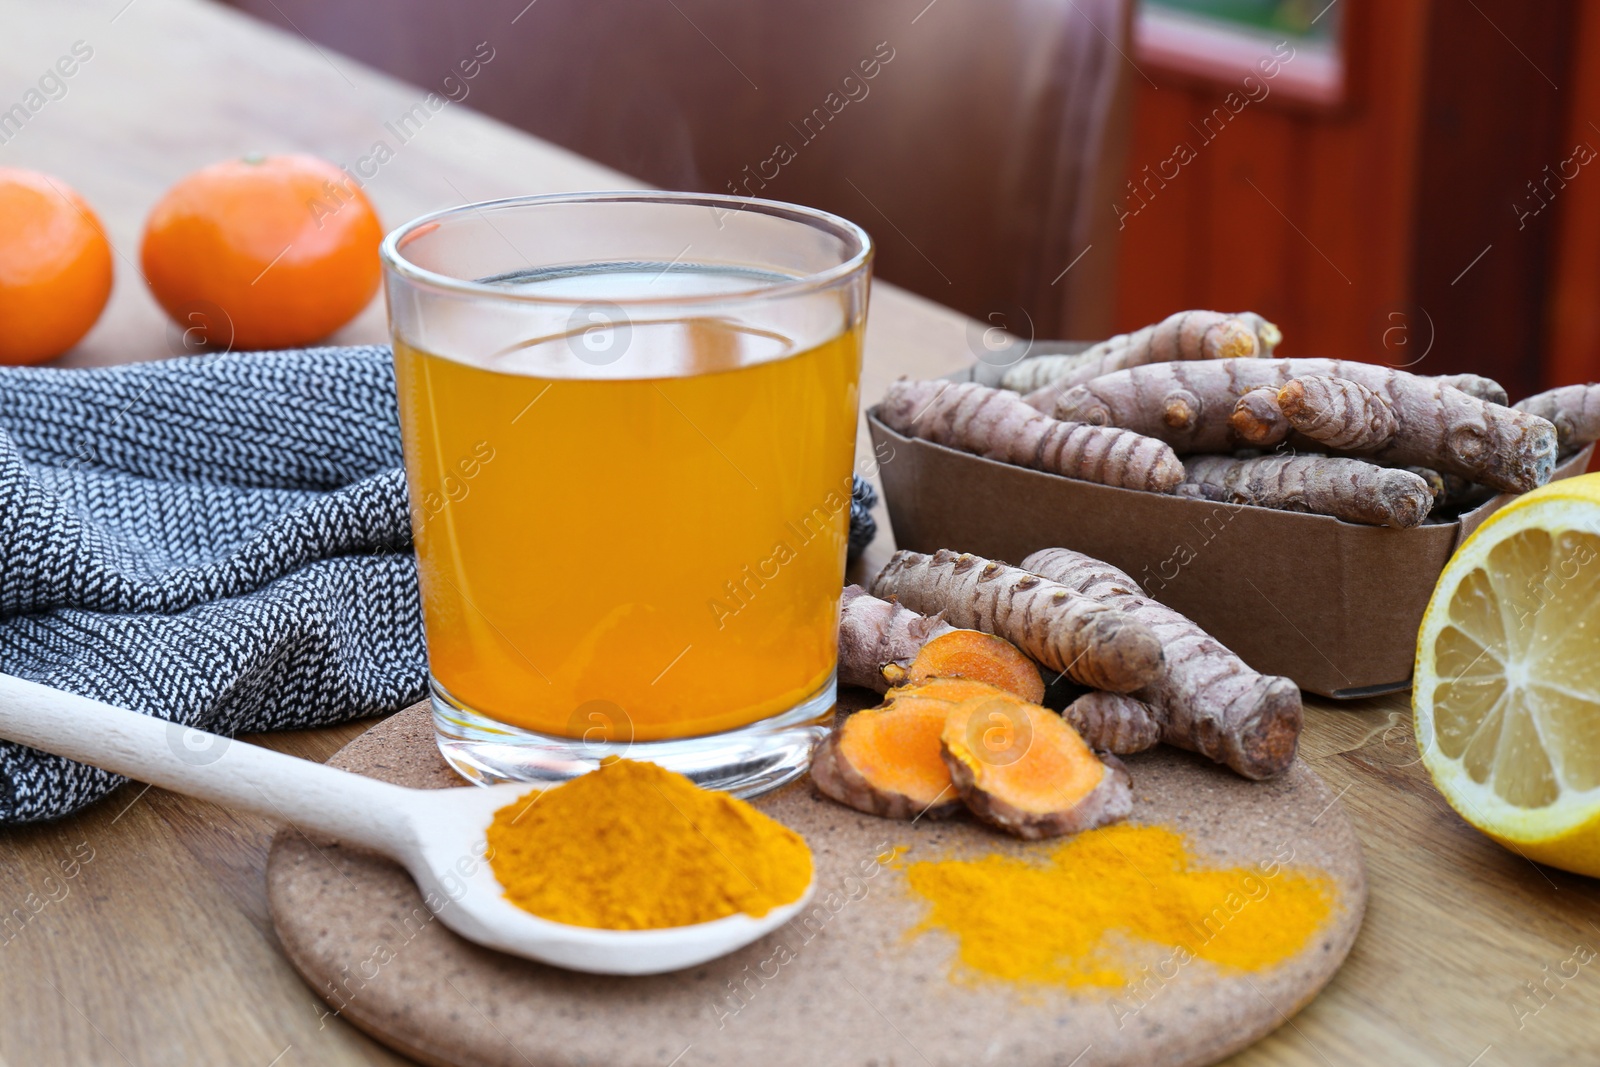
(633, 558)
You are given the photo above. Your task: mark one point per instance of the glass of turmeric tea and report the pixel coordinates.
(629, 424)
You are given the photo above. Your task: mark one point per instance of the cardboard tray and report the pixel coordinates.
(1333, 605)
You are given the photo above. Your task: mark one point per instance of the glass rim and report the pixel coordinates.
(392, 249)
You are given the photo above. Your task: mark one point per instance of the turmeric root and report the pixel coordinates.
(1064, 370)
(1022, 768)
(1337, 412)
(1036, 372)
(1575, 411)
(1257, 420)
(1190, 405)
(1485, 389)
(973, 654)
(1349, 489)
(1267, 333)
(1114, 722)
(1091, 642)
(1185, 335)
(998, 425)
(1435, 482)
(875, 635)
(886, 761)
(1181, 335)
(1207, 699)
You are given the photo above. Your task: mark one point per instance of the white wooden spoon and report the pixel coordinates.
(437, 834)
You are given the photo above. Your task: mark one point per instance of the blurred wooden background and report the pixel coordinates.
(1415, 221)
(979, 143)
(1360, 229)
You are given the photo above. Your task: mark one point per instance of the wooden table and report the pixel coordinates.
(159, 950)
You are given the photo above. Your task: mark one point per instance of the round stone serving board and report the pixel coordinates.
(850, 988)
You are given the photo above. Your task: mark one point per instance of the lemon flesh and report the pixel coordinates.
(1507, 687)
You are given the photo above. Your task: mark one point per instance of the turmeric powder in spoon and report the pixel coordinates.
(631, 846)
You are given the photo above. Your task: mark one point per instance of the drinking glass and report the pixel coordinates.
(629, 424)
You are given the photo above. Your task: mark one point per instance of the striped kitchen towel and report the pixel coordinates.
(219, 541)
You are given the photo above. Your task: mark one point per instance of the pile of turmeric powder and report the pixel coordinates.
(1091, 913)
(631, 846)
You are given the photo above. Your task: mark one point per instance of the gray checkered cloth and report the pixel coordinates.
(218, 541)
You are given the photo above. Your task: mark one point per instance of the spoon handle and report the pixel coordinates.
(307, 795)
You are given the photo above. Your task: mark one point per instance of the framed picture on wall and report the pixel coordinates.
(1226, 41)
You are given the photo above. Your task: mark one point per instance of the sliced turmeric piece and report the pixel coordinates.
(951, 690)
(1022, 768)
(886, 761)
(949, 741)
(977, 655)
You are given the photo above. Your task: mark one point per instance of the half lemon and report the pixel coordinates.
(1507, 687)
